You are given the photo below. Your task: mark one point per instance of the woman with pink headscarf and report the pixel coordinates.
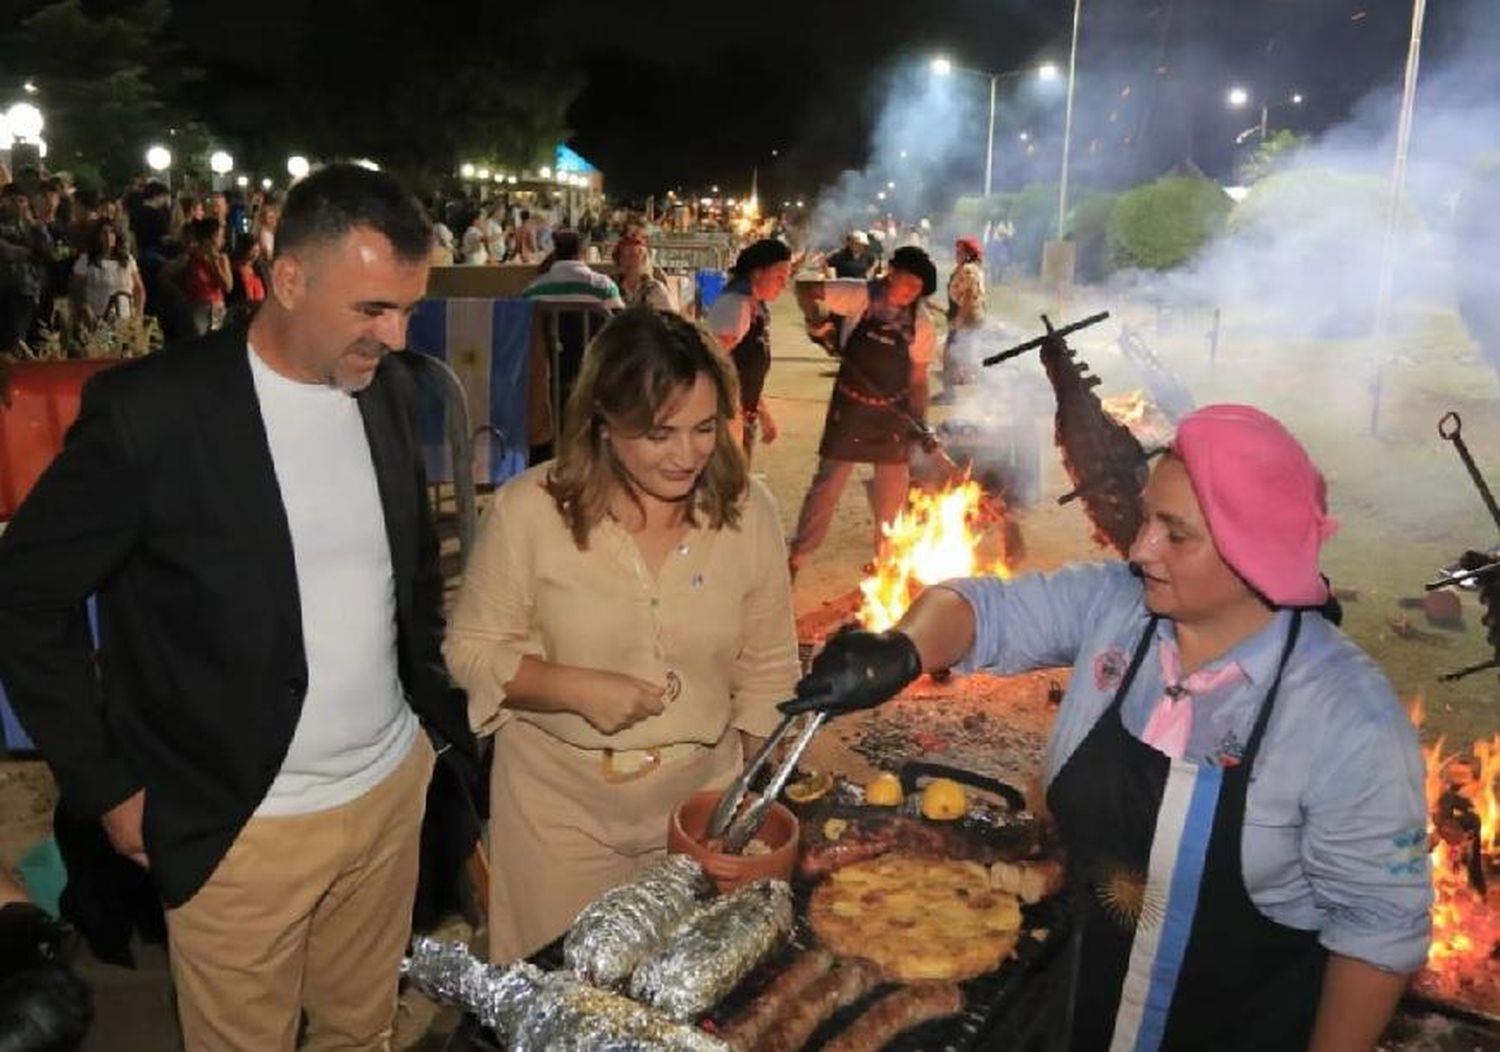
(1238, 791)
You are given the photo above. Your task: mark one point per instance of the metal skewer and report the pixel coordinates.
(1450, 427)
(729, 822)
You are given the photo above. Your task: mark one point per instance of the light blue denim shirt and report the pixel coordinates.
(1336, 827)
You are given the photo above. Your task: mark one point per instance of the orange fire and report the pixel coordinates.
(940, 535)
(1140, 416)
(1465, 924)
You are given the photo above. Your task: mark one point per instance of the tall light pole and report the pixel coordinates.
(1393, 201)
(23, 134)
(159, 160)
(1062, 182)
(943, 67)
(1238, 98)
(221, 163)
(989, 143)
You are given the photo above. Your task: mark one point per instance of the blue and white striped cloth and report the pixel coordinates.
(487, 343)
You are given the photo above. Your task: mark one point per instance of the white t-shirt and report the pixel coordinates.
(730, 318)
(472, 249)
(101, 283)
(494, 238)
(355, 726)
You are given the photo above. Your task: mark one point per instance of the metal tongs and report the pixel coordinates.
(734, 826)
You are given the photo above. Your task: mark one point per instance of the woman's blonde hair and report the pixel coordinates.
(637, 366)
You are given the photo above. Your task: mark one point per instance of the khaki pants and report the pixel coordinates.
(560, 834)
(305, 911)
(887, 492)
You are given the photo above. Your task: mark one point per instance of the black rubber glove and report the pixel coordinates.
(856, 670)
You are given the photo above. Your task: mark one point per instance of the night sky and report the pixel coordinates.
(689, 94)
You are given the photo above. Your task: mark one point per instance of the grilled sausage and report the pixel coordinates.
(846, 983)
(883, 1021)
(745, 1029)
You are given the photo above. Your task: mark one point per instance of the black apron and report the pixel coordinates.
(752, 359)
(869, 412)
(1242, 980)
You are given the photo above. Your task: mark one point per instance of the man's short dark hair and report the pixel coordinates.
(566, 244)
(332, 201)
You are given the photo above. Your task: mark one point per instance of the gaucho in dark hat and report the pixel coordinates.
(884, 340)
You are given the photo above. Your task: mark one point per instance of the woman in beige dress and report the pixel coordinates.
(624, 629)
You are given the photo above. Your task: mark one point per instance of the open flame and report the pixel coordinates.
(1141, 417)
(1463, 825)
(939, 535)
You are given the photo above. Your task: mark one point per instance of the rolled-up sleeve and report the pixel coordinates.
(1037, 620)
(729, 318)
(848, 297)
(492, 627)
(766, 669)
(1364, 845)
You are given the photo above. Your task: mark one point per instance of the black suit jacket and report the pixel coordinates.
(164, 502)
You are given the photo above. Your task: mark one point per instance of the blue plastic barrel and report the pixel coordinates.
(710, 284)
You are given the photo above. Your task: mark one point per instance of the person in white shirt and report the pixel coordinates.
(473, 249)
(106, 280)
(251, 510)
(442, 245)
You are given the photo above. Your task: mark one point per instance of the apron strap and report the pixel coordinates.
(1264, 718)
(1141, 650)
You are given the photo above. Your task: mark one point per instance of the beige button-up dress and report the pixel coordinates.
(715, 626)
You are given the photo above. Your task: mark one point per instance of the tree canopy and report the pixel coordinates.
(416, 87)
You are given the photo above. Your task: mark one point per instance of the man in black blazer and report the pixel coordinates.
(251, 510)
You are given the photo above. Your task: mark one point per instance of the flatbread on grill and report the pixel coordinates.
(917, 918)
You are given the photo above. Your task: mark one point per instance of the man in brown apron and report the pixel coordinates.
(885, 341)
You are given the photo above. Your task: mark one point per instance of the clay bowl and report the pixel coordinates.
(689, 823)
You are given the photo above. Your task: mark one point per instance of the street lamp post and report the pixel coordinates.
(159, 160)
(25, 121)
(943, 67)
(1062, 182)
(989, 145)
(1238, 98)
(221, 163)
(1386, 284)
(22, 126)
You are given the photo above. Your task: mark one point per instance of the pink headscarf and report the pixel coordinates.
(1264, 500)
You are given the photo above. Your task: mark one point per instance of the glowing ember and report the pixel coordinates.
(939, 535)
(1141, 417)
(1463, 823)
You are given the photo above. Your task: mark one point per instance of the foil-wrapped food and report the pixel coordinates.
(499, 997)
(714, 949)
(616, 931)
(572, 1016)
(535, 1011)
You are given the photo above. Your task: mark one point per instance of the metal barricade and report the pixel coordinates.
(459, 436)
(566, 330)
(692, 253)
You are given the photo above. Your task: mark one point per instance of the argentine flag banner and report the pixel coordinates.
(486, 342)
